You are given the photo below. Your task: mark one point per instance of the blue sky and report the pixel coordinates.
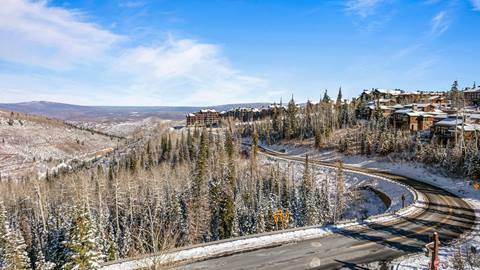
(140, 52)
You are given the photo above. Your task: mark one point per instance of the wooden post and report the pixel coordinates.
(435, 262)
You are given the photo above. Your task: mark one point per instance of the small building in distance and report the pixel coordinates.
(472, 96)
(204, 118)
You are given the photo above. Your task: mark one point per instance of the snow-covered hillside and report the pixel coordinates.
(127, 128)
(32, 144)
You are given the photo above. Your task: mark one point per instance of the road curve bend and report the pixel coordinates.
(350, 247)
(444, 213)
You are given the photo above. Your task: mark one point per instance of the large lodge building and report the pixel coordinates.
(212, 118)
(204, 118)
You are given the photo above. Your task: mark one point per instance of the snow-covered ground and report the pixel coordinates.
(125, 128)
(32, 144)
(460, 187)
(322, 173)
(353, 181)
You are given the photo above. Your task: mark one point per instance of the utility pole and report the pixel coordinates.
(432, 248)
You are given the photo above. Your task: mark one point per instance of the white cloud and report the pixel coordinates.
(196, 70)
(363, 8)
(440, 23)
(77, 54)
(476, 4)
(34, 34)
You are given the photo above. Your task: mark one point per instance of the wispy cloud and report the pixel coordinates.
(440, 23)
(34, 34)
(62, 43)
(476, 4)
(132, 4)
(362, 8)
(198, 70)
(370, 15)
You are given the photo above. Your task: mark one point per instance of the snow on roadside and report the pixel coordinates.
(223, 248)
(459, 187)
(273, 238)
(446, 254)
(353, 179)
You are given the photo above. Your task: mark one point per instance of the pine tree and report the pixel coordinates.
(340, 203)
(324, 202)
(82, 244)
(41, 264)
(326, 98)
(226, 213)
(16, 257)
(339, 97)
(290, 122)
(200, 192)
(13, 254)
(215, 198)
(309, 207)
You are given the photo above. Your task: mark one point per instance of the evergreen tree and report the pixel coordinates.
(340, 203)
(326, 98)
(309, 209)
(215, 199)
(16, 254)
(13, 254)
(226, 213)
(339, 97)
(83, 248)
(200, 192)
(41, 264)
(285, 198)
(324, 202)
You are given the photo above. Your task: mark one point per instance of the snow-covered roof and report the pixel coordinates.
(474, 116)
(469, 127)
(449, 122)
(397, 106)
(383, 100)
(389, 91)
(441, 116)
(366, 91)
(191, 114)
(403, 111)
(473, 90)
(276, 106)
(207, 110)
(382, 107)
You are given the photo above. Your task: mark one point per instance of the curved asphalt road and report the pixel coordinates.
(445, 213)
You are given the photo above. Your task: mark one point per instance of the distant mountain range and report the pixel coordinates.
(72, 112)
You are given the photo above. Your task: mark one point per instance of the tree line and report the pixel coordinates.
(174, 189)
